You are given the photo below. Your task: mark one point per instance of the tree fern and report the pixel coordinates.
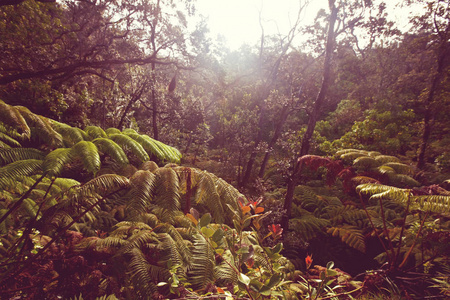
(5, 140)
(167, 194)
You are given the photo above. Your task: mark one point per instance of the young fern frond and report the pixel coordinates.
(128, 143)
(9, 155)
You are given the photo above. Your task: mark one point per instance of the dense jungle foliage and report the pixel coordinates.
(140, 158)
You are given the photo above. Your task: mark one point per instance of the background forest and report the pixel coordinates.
(142, 159)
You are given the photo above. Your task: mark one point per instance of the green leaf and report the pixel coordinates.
(244, 279)
(205, 220)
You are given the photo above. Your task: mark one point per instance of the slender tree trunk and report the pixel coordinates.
(283, 117)
(429, 110)
(306, 140)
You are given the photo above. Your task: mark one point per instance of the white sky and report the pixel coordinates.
(238, 20)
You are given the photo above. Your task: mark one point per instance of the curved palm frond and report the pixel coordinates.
(10, 155)
(112, 149)
(130, 144)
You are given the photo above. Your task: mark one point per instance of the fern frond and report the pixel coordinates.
(140, 275)
(207, 198)
(54, 161)
(149, 166)
(404, 181)
(16, 123)
(349, 157)
(384, 159)
(129, 144)
(357, 180)
(112, 130)
(88, 153)
(141, 193)
(345, 151)
(366, 162)
(350, 235)
(433, 203)
(202, 269)
(10, 155)
(111, 148)
(103, 185)
(224, 272)
(385, 170)
(6, 141)
(95, 132)
(308, 226)
(399, 168)
(71, 135)
(41, 127)
(167, 189)
(12, 171)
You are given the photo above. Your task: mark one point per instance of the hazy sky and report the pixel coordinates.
(238, 20)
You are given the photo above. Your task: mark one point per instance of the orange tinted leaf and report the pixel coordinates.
(221, 291)
(259, 210)
(192, 218)
(245, 209)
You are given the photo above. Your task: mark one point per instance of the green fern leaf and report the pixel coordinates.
(350, 235)
(366, 162)
(202, 269)
(167, 189)
(12, 171)
(88, 153)
(16, 123)
(71, 135)
(129, 144)
(54, 161)
(10, 155)
(112, 149)
(95, 132)
(6, 141)
(384, 159)
(400, 168)
(141, 193)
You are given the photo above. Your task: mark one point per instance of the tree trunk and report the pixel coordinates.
(306, 140)
(283, 117)
(429, 111)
